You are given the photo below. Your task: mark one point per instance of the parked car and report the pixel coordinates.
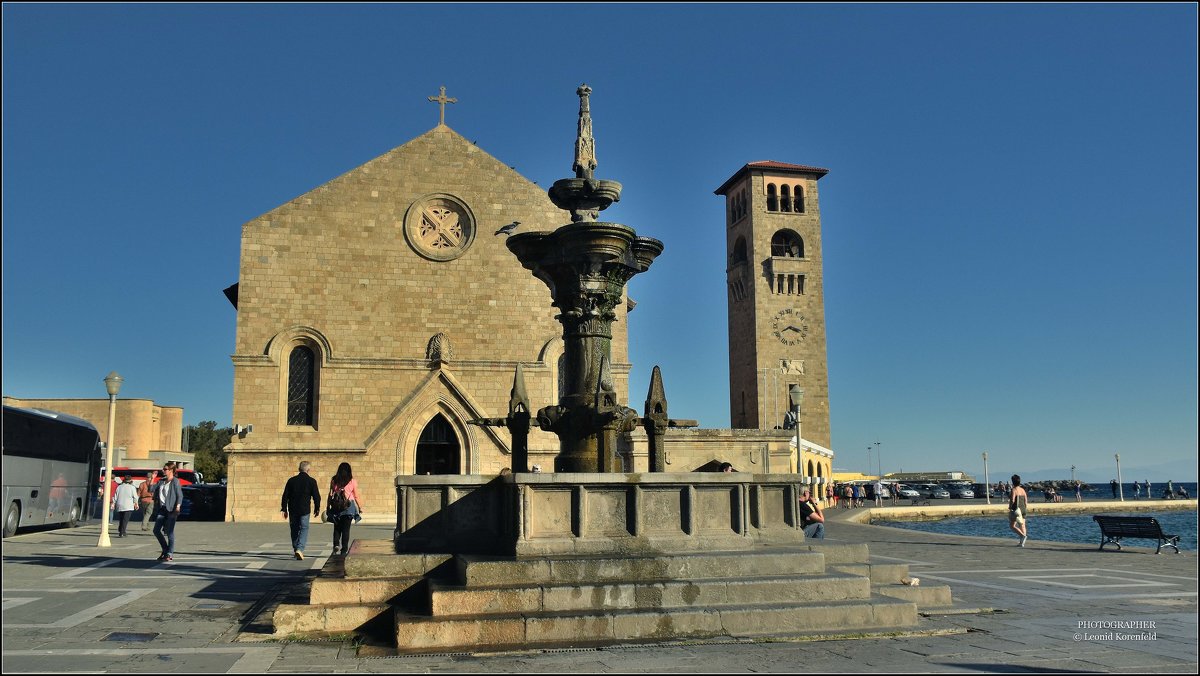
(909, 492)
(936, 492)
(963, 492)
(203, 502)
(983, 491)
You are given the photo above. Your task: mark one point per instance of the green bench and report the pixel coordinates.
(1113, 528)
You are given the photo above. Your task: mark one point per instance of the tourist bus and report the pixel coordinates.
(50, 463)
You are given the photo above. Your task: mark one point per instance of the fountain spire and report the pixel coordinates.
(585, 144)
(585, 196)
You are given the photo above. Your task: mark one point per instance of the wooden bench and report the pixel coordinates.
(1113, 528)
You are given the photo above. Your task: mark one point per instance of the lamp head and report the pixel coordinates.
(112, 382)
(796, 393)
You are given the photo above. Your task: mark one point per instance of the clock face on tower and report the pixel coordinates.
(789, 326)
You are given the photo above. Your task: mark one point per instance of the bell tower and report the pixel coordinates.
(776, 297)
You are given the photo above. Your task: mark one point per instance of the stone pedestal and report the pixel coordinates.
(558, 514)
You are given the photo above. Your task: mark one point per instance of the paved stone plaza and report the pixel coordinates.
(1047, 607)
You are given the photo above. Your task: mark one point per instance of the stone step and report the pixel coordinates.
(369, 590)
(933, 596)
(291, 619)
(378, 558)
(840, 553)
(416, 634)
(880, 573)
(457, 600)
(475, 571)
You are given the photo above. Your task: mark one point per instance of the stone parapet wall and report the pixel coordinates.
(528, 515)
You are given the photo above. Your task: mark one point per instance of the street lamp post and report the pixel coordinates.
(796, 394)
(112, 383)
(987, 484)
(879, 460)
(1120, 488)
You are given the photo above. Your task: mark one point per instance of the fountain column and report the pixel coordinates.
(586, 265)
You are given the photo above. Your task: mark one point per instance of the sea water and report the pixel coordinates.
(1078, 528)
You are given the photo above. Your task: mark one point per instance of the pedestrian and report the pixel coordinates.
(1149, 494)
(811, 517)
(124, 503)
(145, 494)
(1170, 489)
(1113, 485)
(297, 493)
(168, 502)
(1078, 492)
(1018, 510)
(1137, 491)
(345, 507)
(848, 496)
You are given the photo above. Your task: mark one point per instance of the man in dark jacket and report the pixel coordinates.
(297, 493)
(168, 502)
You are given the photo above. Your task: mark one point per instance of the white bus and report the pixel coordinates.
(51, 462)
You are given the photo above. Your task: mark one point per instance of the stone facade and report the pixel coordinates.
(413, 312)
(776, 297)
(146, 433)
(413, 316)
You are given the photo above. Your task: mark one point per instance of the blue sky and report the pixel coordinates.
(1009, 218)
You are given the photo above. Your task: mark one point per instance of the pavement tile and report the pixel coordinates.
(1036, 635)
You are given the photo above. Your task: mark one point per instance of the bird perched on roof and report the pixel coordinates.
(508, 229)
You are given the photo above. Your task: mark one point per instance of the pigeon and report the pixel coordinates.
(507, 229)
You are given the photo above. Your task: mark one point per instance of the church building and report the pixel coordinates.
(380, 312)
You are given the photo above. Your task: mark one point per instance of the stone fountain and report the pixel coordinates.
(589, 554)
(586, 264)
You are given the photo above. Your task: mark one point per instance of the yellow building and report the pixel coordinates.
(147, 434)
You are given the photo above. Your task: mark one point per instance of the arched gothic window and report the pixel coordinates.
(438, 448)
(772, 200)
(739, 251)
(302, 387)
(785, 198)
(788, 244)
(798, 200)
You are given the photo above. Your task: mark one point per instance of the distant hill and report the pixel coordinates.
(1175, 470)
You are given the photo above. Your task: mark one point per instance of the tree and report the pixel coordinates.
(206, 442)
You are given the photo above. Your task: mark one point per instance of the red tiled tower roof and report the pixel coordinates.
(781, 167)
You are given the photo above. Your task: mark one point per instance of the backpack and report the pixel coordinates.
(338, 502)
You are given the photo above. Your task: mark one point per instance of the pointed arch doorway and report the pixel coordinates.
(438, 450)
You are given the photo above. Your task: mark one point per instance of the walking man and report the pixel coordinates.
(297, 493)
(168, 503)
(145, 494)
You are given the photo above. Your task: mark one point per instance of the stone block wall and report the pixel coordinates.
(336, 270)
